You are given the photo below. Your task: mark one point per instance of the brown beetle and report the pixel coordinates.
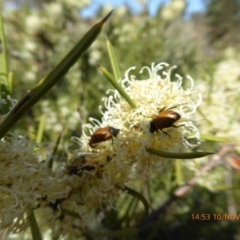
(165, 119)
(78, 166)
(103, 134)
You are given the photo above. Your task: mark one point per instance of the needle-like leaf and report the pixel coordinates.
(34, 95)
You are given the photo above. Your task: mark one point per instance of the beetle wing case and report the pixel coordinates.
(103, 134)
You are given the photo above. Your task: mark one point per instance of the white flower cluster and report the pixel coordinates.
(220, 108)
(152, 95)
(112, 152)
(25, 182)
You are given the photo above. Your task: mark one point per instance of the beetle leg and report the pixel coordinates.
(92, 145)
(162, 109)
(165, 133)
(112, 144)
(177, 105)
(182, 125)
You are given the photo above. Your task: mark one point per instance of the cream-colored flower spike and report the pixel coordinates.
(158, 92)
(26, 182)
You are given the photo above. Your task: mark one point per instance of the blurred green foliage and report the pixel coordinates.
(38, 37)
(222, 18)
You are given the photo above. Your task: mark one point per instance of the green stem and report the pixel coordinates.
(36, 234)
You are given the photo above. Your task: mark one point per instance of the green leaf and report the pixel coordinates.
(139, 197)
(5, 84)
(213, 138)
(111, 79)
(34, 95)
(131, 206)
(113, 60)
(190, 155)
(40, 128)
(50, 163)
